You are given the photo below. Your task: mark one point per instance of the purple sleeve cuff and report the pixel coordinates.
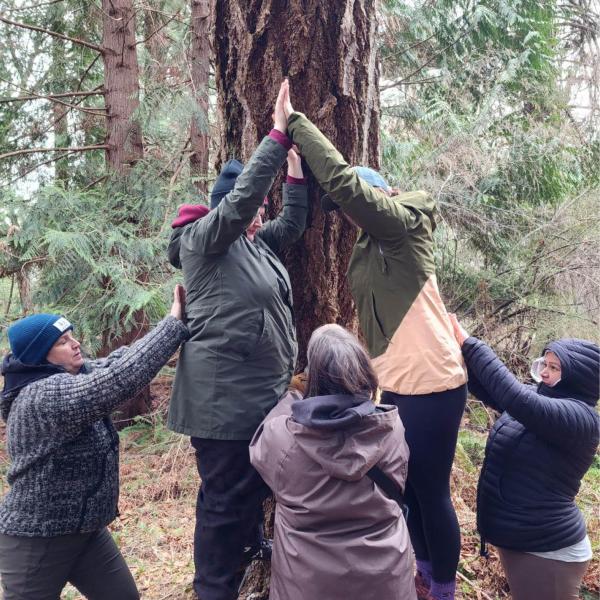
(281, 138)
(295, 180)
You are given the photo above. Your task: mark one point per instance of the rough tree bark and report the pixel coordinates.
(156, 42)
(124, 140)
(199, 65)
(59, 111)
(328, 51)
(121, 85)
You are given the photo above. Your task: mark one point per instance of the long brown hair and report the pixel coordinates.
(338, 364)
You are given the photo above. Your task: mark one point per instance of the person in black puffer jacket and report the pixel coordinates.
(536, 456)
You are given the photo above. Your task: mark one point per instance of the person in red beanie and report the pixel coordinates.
(242, 350)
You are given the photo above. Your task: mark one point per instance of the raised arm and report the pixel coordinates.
(289, 225)
(376, 213)
(67, 404)
(559, 420)
(213, 234)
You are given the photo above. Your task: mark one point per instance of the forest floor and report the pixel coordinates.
(159, 484)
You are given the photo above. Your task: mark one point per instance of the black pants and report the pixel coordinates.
(431, 423)
(39, 568)
(229, 516)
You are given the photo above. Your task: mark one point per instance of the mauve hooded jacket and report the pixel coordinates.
(337, 535)
(539, 449)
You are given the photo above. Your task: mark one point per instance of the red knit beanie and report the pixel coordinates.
(188, 213)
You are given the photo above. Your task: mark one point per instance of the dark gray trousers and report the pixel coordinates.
(39, 568)
(229, 516)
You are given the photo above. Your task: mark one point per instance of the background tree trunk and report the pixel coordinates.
(59, 111)
(121, 84)
(328, 51)
(125, 145)
(200, 62)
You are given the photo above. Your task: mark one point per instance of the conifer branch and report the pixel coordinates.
(55, 34)
(50, 96)
(33, 96)
(162, 26)
(34, 167)
(32, 6)
(32, 150)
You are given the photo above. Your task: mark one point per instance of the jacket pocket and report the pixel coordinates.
(244, 337)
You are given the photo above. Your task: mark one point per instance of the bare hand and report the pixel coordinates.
(459, 331)
(287, 103)
(178, 307)
(279, 117)
(294, 163)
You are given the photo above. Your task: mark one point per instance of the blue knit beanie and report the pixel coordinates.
(225, 181)
(372, 177)
(32, 338)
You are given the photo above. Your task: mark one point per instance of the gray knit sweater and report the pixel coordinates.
(64, 473)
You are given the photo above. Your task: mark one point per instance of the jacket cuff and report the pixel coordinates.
(469, 345)
(280, 138)
(296, 180)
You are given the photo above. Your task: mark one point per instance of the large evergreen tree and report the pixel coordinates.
(328, 51)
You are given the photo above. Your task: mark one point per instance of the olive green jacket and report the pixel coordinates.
(242, 350)
(391, 273)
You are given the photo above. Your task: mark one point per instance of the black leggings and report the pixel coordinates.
(431, 423)
(39, 568)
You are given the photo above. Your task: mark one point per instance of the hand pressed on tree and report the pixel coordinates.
(279, 116)
(283, 107)
(178, 306)
(288, 109)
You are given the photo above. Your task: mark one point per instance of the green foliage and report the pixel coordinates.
(476, 110)
(472, 446)
(149, 434)
(102, 255)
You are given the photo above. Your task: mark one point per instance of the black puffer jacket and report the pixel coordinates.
(539, 449)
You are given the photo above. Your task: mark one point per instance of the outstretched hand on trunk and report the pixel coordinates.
(178, 307)
(283, 107)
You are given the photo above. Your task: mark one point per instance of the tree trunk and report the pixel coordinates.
(125, 146)
(156, 43)
(200, 61)
(24, 284)
(328, 51)
(121, 84)
(59, 111)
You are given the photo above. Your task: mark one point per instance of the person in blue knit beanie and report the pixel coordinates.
(32, 338)
(64, 452)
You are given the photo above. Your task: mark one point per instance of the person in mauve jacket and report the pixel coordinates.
(536, 456)
(338, 535)
(64, 453)
(408, 334)
(242, 351)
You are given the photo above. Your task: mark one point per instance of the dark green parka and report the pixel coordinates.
(242, 350)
